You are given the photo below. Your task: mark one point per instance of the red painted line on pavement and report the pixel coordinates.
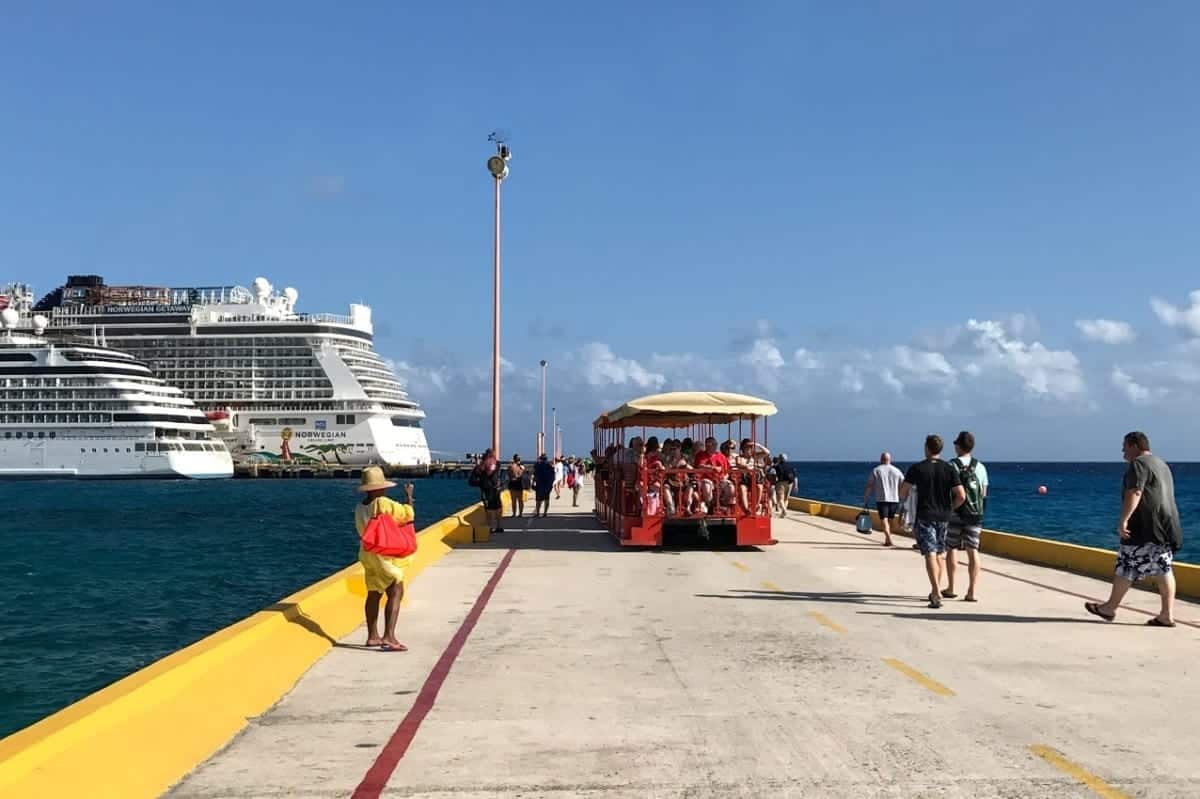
(1023, 579)
(381, 770)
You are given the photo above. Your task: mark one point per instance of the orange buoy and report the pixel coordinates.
(1042, 489)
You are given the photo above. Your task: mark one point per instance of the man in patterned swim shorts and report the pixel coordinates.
(1149, 529)
(939, 492)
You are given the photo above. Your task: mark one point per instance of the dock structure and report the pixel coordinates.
(283, 470)
(550, 662)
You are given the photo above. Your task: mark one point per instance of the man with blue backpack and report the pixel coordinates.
(966, 526)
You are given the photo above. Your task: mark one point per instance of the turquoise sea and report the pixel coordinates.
(98, 579)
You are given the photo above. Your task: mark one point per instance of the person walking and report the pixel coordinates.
(575, 481)
(516, 486)
(939, 493)
(966, 526)
(785, 480)
(1149, 530)
(487, 477)
(543, 482)
(884, 481)
(384, 574)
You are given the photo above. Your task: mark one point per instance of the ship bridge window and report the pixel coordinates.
(263, 420)
(401, 421)
(348, 418)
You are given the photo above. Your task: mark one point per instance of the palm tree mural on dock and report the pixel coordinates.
(323, 450)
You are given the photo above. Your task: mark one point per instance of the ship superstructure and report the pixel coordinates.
(276, 384)
(71, 410)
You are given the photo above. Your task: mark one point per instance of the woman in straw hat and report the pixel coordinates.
(384, 573)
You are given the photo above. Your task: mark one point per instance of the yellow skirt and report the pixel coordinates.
(382, 570)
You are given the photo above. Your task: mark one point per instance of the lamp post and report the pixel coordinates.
(553, 427)
(541, 447)
(498, 167)
(558, 451)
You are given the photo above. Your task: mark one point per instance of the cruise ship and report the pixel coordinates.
(76, 410)
(278, 385)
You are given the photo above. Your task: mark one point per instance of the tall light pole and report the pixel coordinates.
(541, 447)
(553, 427)
(558, 450)
(498, 166)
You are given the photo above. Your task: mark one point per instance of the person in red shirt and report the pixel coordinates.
(716, 465)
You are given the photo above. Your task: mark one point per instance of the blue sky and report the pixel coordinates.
(891, 219)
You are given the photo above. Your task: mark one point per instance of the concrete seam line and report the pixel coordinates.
(1077, 772)
(377, 776)
(921, 679)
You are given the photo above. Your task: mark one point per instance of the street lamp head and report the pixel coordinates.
(541, 363)
(498, 167)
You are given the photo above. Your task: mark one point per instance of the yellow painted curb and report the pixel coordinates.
(1092, 561)
(143, 733)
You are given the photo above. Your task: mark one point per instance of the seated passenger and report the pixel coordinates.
(714, 469)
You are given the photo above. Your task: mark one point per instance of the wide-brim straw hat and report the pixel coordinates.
(373, 480)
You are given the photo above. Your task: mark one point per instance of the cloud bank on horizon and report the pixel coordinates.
(847, 403)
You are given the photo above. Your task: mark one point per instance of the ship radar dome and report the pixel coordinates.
(291, 294)
(262, 288)
(40, 323)
(9, 318)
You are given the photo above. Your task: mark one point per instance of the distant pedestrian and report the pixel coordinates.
(488, 478)
(560, 476)
(939, 492)
(1149, 530)
(384, 574)
(516, 486)
(785, 479)
(966, 527)
(543, 482)
(575, 481)
(884, 481)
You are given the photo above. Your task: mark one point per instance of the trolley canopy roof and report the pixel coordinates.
(682, 408)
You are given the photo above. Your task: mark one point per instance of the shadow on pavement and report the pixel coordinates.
(849, 597)
(986, 617)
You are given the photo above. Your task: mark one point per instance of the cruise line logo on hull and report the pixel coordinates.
(316, 434)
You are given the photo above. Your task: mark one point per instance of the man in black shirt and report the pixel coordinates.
(939, 492)
(1149, 529)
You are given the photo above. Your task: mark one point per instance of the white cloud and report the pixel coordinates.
(921, 366)
(1137, 393)
(1110, 331)
(1186, 319)
(1044, 372)
(805, 359)
(891, 381)
(601, 367)
(852, 379)
(763, 354)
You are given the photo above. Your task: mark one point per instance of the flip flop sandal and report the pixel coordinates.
(390, 648)
(1157, 622)
(1094, 609)
(949, 594)
(970, 599)
(935, 601)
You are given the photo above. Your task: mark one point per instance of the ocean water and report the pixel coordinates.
(1081, 504)
(101, 578)
(98, 579)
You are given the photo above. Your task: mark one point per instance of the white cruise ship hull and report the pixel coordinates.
(328, 439)
(114, 458)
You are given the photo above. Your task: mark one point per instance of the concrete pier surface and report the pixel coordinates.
(812, 668)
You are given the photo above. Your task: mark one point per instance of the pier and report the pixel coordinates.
(246, 469)
(550, 662)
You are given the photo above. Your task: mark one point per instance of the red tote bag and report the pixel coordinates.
(385, 536)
